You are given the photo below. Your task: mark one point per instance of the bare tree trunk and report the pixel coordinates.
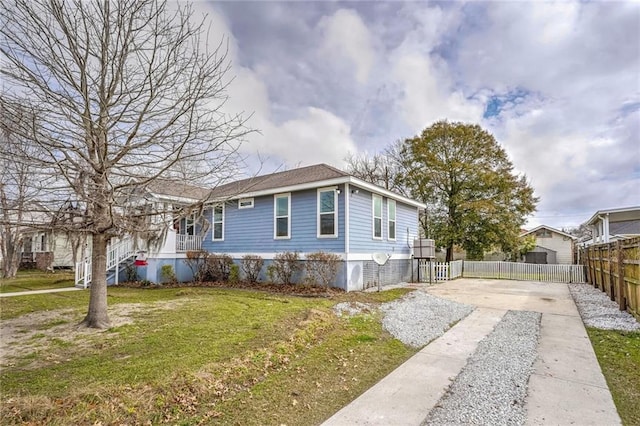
(11, 251)
(97, 316)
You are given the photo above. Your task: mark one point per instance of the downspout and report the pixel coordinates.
(347, 200)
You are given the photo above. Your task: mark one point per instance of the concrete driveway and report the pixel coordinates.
(567, 386)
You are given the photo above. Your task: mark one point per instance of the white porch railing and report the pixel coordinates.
(83, 273)
(188, 242)
(117, 252)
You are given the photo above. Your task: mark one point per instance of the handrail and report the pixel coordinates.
(116, 254)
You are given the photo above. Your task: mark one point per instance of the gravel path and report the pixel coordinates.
(599, 311)
(418, 318)
(492, 387)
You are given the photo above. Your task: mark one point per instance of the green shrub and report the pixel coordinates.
(168, 274)
(234, 273)
(251, 266)
(130, 272)
(322, 268)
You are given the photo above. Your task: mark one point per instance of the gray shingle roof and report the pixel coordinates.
(318, 172)
(178, 189)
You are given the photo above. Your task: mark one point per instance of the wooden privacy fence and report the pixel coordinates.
(524, 271)
(615, 269)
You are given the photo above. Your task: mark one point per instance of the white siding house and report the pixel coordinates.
(557, 245)
(614, 224)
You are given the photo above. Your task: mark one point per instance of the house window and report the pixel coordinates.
(327, 213)
(391, 219)
(245, 203)
(189, 225)
(377, 216)
(218, 222)
(282, 215)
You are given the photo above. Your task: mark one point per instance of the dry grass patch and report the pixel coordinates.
(197, 356)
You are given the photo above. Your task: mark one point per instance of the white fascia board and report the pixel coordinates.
(599, 213)
(174, 199)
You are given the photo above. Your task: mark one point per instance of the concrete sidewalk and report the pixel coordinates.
(29, 292)
(567, 386)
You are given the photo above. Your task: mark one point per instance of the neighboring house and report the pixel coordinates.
(50, 248)
(309, 209)
(552, 246)
(613, 224)
(46, 246)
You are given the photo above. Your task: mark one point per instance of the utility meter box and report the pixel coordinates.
(424, 248)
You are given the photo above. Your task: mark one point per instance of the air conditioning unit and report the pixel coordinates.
(424, 248)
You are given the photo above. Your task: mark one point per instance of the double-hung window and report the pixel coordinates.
(282, 216)
(391, 219)
(218, 222)
(327, 213)
(377, 216)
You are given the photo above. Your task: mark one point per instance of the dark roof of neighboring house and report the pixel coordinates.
(628, 227)
(309, 174)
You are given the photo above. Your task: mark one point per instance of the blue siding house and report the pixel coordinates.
(309, 209)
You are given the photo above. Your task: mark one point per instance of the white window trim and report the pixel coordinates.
(395, 219)
(373, 216)
(246, 200)
(213, 223)
(335, 212)
(275, 217)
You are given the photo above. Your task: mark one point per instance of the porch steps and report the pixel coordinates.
(118, 254)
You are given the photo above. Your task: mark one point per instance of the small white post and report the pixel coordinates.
(86, 273)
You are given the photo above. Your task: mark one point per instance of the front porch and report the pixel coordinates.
(186, 243)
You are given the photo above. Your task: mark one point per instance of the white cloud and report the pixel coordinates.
(428, 90)
(565, 75)
(314, 136)
(346, 38)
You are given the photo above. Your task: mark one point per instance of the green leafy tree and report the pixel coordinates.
(475, 199)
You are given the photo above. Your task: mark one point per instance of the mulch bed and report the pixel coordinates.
(286, 289)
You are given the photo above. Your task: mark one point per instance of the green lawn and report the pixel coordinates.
(37, 280)
(194, 356)
(619, 356)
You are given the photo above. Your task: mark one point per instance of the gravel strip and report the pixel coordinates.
(599, 311)
(491, 388)
(418, 317)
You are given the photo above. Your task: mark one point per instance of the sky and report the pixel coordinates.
(556, 83)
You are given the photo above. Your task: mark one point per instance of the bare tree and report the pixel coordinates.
(20, 187)
(383, 169)
(126, 91)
